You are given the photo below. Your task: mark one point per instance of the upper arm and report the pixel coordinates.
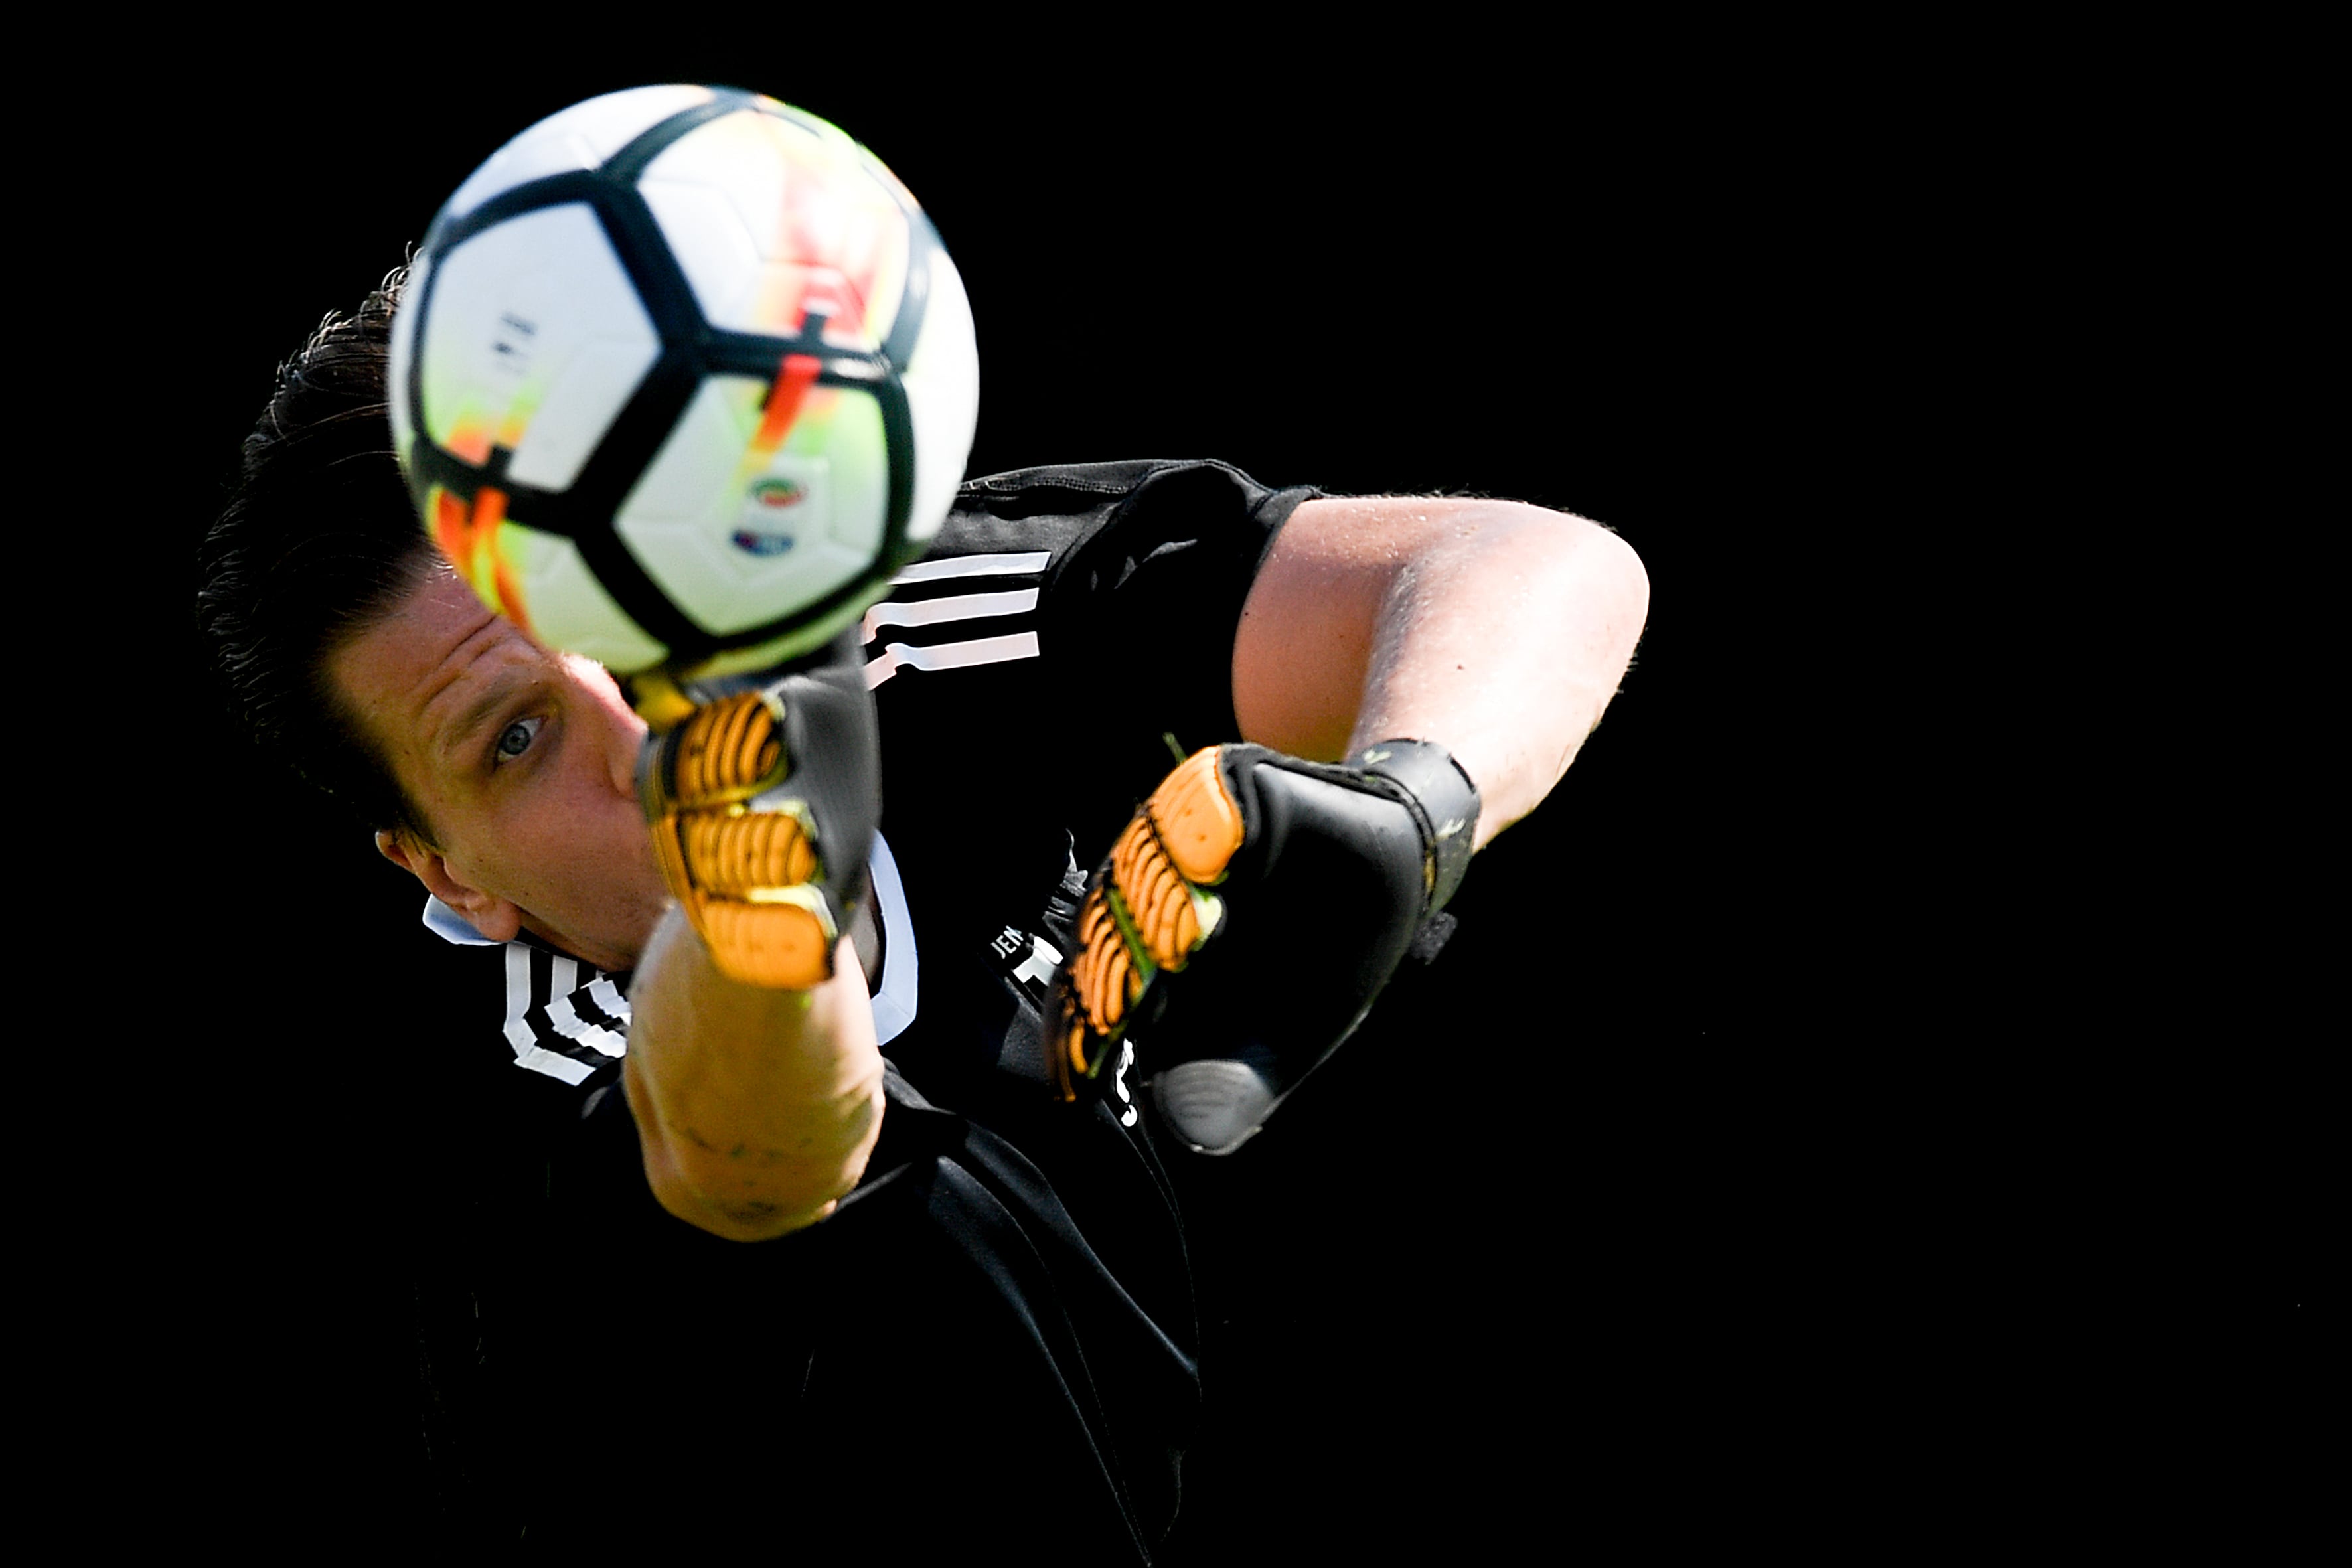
(1305, 642)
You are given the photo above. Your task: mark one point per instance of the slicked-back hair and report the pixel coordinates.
(318, 543)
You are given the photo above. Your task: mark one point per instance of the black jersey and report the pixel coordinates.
(995, 1333)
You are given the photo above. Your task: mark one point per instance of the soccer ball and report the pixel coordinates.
(680, 377)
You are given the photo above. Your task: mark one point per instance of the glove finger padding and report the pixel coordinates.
(1146, 909)
(1247, 919)
(762, 799)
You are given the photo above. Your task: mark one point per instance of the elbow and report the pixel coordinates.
(1584, 575)
(1617, 576)
(1597, 557)
(1586, 563)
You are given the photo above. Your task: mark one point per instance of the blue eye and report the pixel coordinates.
(516, 739)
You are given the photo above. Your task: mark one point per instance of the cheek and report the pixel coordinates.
(606, 853)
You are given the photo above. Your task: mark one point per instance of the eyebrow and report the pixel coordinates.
(502, 691)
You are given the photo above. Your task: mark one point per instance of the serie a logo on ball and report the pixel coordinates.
(680, 377)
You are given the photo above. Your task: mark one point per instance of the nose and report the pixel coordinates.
(620, 731)
(622, 754)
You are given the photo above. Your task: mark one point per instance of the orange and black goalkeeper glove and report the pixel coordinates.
(763, 793)
(1248, 918)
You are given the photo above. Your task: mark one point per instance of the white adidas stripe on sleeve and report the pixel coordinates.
(949, 655)
(1006, 565)
(956, 607)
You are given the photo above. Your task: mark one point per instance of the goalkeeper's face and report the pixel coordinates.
(522, 762)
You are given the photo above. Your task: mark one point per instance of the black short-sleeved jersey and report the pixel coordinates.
(994, 1335)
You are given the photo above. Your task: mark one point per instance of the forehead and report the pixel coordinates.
(421, 677)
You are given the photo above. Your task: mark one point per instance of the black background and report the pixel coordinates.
(1735, 1170)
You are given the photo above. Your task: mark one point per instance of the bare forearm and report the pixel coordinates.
(1507, 657)
(756, 1108)
(1497, 630)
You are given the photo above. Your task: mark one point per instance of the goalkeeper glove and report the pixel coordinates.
(763, 793)
(1248, 916)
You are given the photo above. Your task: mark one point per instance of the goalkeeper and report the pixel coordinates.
(964, 1044)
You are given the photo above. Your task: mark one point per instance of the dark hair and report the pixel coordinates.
(317, 543)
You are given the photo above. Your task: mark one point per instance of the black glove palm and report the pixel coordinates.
(1249, 916)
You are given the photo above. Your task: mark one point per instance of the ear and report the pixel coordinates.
(494, 917)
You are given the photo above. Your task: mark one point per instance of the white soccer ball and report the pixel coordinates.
(680, 377)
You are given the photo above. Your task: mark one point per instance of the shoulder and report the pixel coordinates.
(1032, 562)
(1065, 507)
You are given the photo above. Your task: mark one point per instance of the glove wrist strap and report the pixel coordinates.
(1444, 799)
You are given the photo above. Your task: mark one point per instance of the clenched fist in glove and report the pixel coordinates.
(1249, 915)
(763, 793)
